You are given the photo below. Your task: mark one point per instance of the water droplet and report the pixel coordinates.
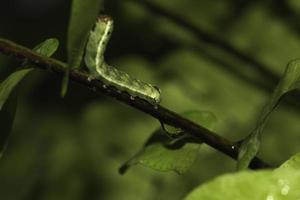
(104, 86)
(283, 183)
(232, 147)
(132, 98)
(90, 79)
(285, 190)
(270, 197)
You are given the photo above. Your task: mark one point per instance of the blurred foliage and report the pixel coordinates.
(281, 183)
(290, 81)
(72, 148)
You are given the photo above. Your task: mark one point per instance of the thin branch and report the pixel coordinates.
(160, 113)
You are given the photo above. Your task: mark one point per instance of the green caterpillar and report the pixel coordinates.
(94, 59)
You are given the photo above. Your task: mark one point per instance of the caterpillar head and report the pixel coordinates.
(105, 25)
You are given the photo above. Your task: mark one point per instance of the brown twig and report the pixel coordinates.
(162, 114)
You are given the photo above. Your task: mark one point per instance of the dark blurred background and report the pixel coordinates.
(71, 148)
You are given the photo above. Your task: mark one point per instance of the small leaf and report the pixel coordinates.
(163, 153)
(83, 17)
(48, 47)
(250, 147)
(249, 185)
(8, 92)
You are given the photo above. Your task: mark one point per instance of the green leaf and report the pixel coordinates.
(8, 96)
(7, 86)
(7, 115)
(292, 163)
(48, 47)
(83, 17)
(8, 104)
(249, 185)
(163, 153)
(250, 146)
